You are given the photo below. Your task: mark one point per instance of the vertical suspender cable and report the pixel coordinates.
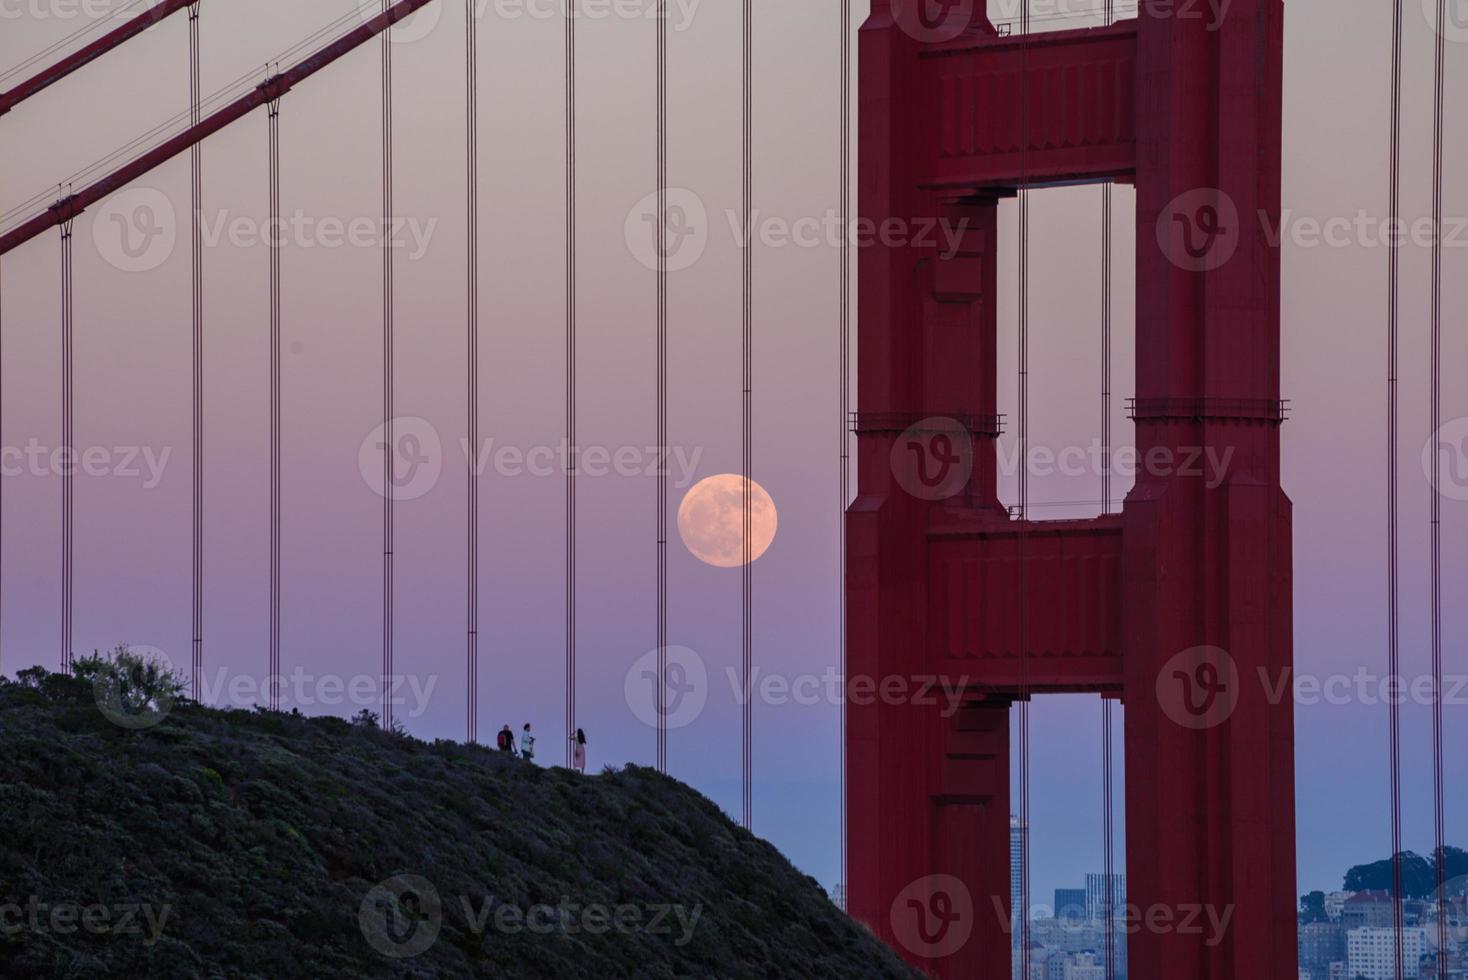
(844, 412)
(1024, 494)
(68, 443)
(748, 428)
(1393, 516)
(661, 524)
(196, 190)
(1107, 771)
(275, 401)
(388, 285)
(1438, 784)
(471, 132)
(571, 451)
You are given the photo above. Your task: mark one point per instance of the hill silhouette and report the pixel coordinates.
(253, 844)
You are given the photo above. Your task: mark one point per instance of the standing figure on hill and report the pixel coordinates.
(578, 751)
(527, 744)
(506, 740)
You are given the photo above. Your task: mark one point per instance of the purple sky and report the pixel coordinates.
(133, 389)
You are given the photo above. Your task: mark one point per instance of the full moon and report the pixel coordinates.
(711, 520)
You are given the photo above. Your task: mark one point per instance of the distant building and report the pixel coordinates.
(1334, 903)
(1369, 910)
(1070, 903)
(1096, 896)
(1321, 944)
(1084, 966)
(1371, 952)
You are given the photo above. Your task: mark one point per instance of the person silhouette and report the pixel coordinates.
(506, 740)
(527, 744)
(578, 751)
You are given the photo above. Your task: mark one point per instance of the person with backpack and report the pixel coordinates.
(527, 744)
(578, 751)
(506, 740)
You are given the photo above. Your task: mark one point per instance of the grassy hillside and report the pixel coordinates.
(250, 844)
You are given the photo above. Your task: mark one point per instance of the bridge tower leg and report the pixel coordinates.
(1209, 732)
(929, 787)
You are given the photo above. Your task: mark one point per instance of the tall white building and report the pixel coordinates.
(1096, 896)
(1018, 834)
(1372, 952)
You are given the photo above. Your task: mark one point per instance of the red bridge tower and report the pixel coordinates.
(1180, 606)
